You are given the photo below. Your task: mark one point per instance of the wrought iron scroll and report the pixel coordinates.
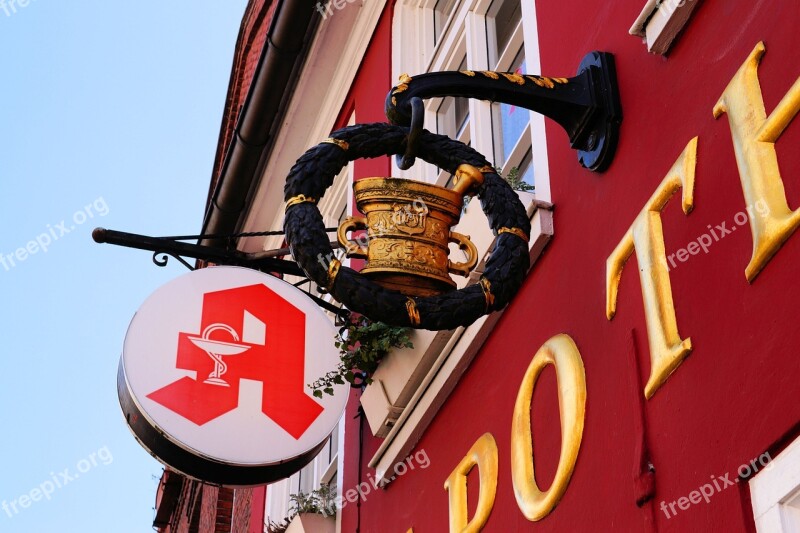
(164, 248)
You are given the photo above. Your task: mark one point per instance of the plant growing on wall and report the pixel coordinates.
(362, 344)
(319, 501)
(515, 180)
(277, 527)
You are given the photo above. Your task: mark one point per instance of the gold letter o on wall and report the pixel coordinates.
(561, 352)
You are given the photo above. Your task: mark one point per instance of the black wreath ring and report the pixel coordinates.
(310, 245)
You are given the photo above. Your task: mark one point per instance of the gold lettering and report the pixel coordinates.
(483, 454)
(646, 236)
(561, 352)
(754, 136)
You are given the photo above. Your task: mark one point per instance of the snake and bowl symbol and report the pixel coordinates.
(217, 349)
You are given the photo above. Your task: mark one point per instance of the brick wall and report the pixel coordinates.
(241, 510)
(208, 509)
(252, 36)
(202, 508)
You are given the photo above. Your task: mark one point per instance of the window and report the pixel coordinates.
(513, 120)
(453, 120)
(442, 11)
(452, 117)
(508, 15)
(512, 146)
(321, 470)
(775, 492)
(333, 208)
(489, 36)
(452, 114)
(525, 168)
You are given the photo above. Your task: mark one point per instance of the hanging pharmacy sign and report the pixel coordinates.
(213, 375)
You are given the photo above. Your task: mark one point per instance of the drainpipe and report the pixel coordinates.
(272, 84)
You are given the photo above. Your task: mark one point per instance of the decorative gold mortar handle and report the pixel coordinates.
(463, 269)
(352, 249)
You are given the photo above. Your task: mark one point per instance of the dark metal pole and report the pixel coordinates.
(211, 254)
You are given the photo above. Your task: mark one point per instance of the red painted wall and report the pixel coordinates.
(365, 99)
(734, 398)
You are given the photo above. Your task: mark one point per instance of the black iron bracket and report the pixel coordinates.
(587, 105)
(164, 248)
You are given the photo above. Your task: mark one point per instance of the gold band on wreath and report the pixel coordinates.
(299, 199)
(486, 287)
(515, 231)
(344, 145)
(333, 271)
(413, 312)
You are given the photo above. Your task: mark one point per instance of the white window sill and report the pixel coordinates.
(661, 21)
(775, 493)
(312, 523)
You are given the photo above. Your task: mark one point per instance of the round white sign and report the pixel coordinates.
(214, 372)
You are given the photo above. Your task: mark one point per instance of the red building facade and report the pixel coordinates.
(677, 386)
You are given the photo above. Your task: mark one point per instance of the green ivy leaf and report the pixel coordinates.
(362, 344)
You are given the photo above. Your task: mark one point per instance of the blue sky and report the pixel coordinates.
(109, 116)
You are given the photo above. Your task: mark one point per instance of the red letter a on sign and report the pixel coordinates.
(264, 337)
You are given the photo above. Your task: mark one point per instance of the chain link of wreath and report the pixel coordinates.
(315, 171)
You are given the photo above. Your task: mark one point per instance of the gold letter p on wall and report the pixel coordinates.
(754, 136)
(483, 454)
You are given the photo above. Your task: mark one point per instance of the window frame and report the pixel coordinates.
(775, 492)
(470, 35)
(516, 44)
